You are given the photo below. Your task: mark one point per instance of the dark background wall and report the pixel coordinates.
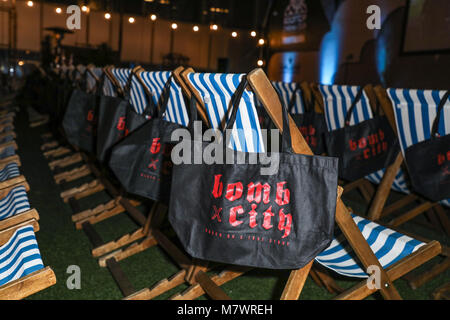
(350, 53)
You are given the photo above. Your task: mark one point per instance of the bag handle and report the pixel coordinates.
(286, 139)
(308, 106)
(165, 97)
(434, 130)
(150, 109)
(352, 107)
(235, 102)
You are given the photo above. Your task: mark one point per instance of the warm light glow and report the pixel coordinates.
(30, 3)
(261, 42)
(234, 34)
(153, 17)
(21, 63)
(58, 10)
(195, 28)
(107, 16)
(85, 9)
(214, 27)
(253, 34)
(131, 20)
(174, 26)
(260, 63)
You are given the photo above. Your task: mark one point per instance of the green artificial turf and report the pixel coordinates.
(62, 245)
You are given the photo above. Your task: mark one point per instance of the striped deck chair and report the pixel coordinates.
(285, 91)
(10, 174)
(22, 271)
(373, 236)
(337, 100)
(153, 82)
(15, 207)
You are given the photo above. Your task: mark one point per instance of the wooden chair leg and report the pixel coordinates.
(295, 283)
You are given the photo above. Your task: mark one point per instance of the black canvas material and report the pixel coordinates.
(311, 124)
(117, 119)
(79, 121)
(231, 213)
(363, 148)
(428, 162)
(141, 161)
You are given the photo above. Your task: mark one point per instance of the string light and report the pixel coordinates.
(195, 28)
(85, 9)
(58, 10)
(131, 20)
(21, 63)
(107, 16)
(253, 34)
(261, 42)
(153, 17)
(214, 27)
(174, 26)
(234, 34)
(260, 63)
(30, 3)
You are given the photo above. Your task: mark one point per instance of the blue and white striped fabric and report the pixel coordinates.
(14, 203)
(415, 111)
(389, 247)
(216, 91)
(7, 152)
(10, 171)
(6, 139)
(90, 80)
(176, 111)
(337, 101)
(138, 99)
(20, 256)
(285, 91)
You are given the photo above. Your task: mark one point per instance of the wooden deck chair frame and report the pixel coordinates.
(378, 208)
(148, 236)
(28, 285)
(267, 95)
(362, 185)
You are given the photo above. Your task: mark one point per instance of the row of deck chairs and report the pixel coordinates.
(22, 271)
(359, 242)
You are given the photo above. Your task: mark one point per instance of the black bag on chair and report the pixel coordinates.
(428, 162)
(364, 148)
(311, 124)
(116, 120)
(80, 119)
(141, 161)
(232, 213)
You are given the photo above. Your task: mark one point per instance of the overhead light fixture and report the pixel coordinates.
(174, 26)
(253, 34)
(85, 9)
(214, 27)
(261, 42)
(131, 20)
(30, 3)
(234, 34)
(107, 16)
(195, 28)
(260, 63)
(58, 10)
(153, 17)
(21, 63)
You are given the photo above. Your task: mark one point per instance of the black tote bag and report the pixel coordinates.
(117, 119)
(79, 121)
(311, 124)
(231, 213)
(428, 162)
(363, 148)
(142, 162)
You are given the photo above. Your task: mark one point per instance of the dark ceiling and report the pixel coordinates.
(245, 14)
